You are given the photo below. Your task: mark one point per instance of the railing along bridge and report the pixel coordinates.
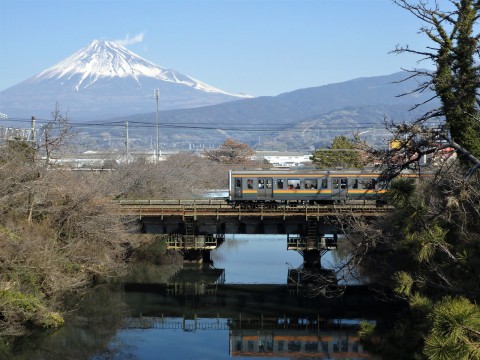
(220, 208)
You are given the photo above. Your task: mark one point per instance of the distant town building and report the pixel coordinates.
(284, 159)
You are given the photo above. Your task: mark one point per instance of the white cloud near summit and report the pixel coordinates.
(131, 40)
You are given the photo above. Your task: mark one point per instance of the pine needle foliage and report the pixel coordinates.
(455, 332)
(342, 153)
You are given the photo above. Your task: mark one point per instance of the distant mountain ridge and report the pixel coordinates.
(299, 118)
(105, 79)
(292, 107)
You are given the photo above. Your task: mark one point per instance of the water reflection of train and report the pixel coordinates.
(338, 341)
(312, 186)
(262, 320)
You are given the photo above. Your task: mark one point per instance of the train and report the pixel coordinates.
(306, 186)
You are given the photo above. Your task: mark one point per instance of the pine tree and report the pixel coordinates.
(342, 153)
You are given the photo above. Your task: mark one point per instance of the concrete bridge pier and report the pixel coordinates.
(312, 258)
(195, 249)
(192, 257)
(206, 257)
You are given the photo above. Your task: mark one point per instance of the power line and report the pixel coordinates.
(317, 127)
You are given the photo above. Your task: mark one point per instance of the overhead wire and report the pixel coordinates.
(216, 126)
(203, 126)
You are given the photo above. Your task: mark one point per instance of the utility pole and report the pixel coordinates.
(126, 142)
(33, 128)
(157, 153)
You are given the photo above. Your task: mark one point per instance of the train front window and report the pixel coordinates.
(293, 184)
(310, 183)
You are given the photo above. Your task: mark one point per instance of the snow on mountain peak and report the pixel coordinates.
(107, 59)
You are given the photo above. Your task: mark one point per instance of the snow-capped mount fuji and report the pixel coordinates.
(107, 59)
(103, 80)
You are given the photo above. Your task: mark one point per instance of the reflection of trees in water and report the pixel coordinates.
(146, 273)
(94, 319)
(88, 331)
(234, 243)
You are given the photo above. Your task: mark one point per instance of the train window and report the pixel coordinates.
(261, 183)
(279, 184)
(335, 183)
(238, 183)
(294, 346)
(311, 346)
(324, 183)
(343, 183)
(293, 183)
(250, 183)
(355, 184)
(369, 184)
(269, 183)
(310, 183)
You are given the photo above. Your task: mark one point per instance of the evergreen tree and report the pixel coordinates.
(342, 153)
(456, 79)
(430, 242)
(455, 331)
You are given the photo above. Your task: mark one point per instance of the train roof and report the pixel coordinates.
(290, 172)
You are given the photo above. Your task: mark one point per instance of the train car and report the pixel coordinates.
(312, 186)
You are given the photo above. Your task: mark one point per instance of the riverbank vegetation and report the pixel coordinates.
(56, 236)
(427, 248)
(60, 231)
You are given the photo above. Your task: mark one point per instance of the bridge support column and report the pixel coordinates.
(206, 257)
(311, 258)
(192, 256)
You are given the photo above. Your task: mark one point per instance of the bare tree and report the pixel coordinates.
(55, 133)
(180, 176)
(230, 152)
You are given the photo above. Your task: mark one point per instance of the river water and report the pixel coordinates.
(238, 307)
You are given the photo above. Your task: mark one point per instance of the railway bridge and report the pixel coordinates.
(194, 227)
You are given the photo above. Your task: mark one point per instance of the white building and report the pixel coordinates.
(284, 159)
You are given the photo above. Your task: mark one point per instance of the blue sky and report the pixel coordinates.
(258, 47)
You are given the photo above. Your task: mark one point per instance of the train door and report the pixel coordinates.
(265, 188)
(238, 188)
(339, 188)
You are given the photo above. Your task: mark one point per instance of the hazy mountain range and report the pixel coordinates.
(105, 81)
(302, 118)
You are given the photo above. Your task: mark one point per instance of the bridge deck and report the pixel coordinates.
(219, 208)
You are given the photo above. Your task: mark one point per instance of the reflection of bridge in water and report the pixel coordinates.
(262, 319)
